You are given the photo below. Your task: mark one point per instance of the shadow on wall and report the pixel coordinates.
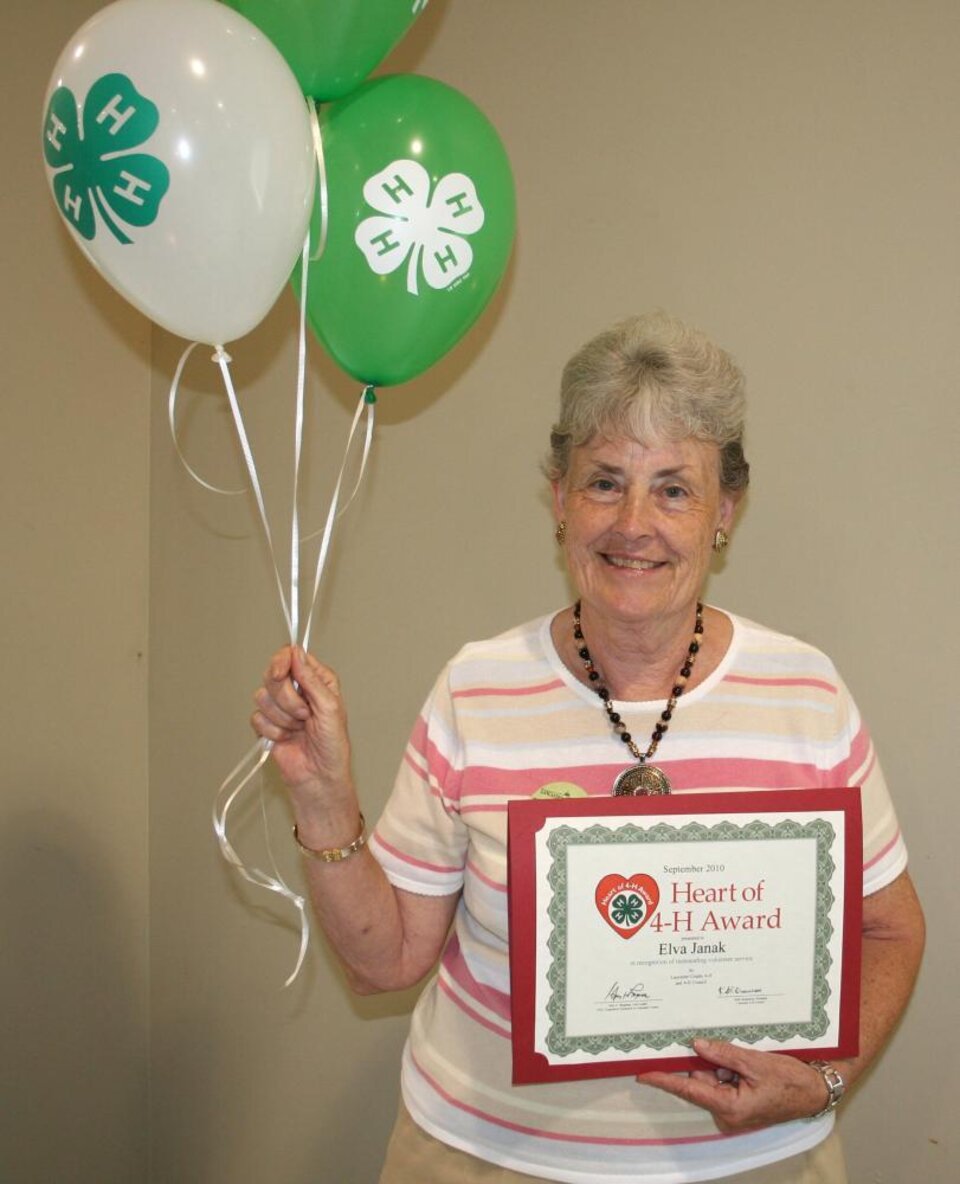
(74, 1036)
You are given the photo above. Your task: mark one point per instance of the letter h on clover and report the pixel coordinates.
(418, 227)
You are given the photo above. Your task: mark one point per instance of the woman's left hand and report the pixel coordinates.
(747, 1089)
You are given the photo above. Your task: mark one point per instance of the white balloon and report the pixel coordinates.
(180, 154)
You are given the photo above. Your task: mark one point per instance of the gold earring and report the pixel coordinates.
(720, 540)
(560, 534)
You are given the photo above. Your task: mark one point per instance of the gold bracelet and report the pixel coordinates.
(334, 854)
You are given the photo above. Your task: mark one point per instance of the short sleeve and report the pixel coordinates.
(884, 851)
(420, 840)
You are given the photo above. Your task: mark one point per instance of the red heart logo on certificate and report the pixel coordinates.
(627, 904)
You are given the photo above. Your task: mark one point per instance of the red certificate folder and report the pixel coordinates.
(640, 923)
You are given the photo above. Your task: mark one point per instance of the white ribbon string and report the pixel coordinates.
(244, 772)
(366, 405)
(298, 448)
(369, 398)
(232, 786)
(321, 184)
(237, 780)
(222, 358)
(172, 417)
(240, 777)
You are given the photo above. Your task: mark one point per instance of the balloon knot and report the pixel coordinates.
(369, 395)
(221, 355)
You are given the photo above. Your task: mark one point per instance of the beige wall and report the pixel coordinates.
(73, 771)
(784, 175)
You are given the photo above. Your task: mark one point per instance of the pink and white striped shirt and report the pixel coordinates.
(506, 718)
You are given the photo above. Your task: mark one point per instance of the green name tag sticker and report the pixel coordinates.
(561, 789)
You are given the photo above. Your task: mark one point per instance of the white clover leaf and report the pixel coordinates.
(414, 226)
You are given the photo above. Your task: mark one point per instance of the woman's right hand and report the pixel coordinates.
(386, 938)
(307, 726)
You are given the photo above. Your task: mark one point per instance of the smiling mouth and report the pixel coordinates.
(624, 561)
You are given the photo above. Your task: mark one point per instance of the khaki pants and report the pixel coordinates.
(414, 1157)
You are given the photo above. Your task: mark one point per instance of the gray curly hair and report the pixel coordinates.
(652, 378)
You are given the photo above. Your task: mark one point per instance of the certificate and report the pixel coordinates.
(638, 924)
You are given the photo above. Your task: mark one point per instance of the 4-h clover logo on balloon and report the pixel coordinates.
(418, 227)
(97, 169)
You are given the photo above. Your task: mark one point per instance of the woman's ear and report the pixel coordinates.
(729, 500)
(558, 499)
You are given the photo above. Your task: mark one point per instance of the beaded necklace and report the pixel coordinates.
(641, 778)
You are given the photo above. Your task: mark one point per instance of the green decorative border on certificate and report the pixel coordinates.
(564, 837)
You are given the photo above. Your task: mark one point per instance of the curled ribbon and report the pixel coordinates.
(172, 420)
(240, 777)
(232, 787)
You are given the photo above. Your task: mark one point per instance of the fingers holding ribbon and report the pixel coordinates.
(300, 710)
(280, 709)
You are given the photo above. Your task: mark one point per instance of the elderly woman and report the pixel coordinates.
(638, 686)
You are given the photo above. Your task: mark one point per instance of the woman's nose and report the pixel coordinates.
(635, 515)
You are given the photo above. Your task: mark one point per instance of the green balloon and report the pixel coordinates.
(420, 226)
(332, 45)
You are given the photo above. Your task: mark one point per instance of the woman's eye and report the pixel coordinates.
(601, 485)
(674, 492)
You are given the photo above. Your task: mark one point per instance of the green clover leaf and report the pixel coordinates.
(627, 910)
(95, 167)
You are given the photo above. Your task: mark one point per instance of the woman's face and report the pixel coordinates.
(640, 525)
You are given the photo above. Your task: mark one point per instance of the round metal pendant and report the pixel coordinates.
(641, 781)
